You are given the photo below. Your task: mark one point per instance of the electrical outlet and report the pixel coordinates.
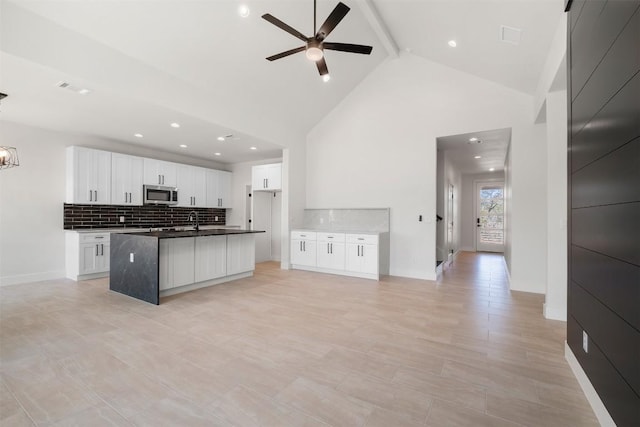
(131, 257)
(585, 342)
(215, 218)
(122, 219)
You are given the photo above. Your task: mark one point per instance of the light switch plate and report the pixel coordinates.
(122, 219)
(131, 257)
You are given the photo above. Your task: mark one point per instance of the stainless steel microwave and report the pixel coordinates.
(159, 195)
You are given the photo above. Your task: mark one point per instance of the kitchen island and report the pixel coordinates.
(148, 265)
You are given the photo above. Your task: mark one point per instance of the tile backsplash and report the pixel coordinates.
(347, 219)
(108, 216)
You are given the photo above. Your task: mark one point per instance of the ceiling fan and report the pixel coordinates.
(314, 46)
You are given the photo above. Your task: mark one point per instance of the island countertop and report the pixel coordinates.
(174, 234)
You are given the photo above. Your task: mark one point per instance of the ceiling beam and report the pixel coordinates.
(371, 13)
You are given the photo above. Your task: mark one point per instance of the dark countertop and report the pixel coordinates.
(173, 234)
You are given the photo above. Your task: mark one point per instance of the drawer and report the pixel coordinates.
(303, 235)
(367, 239)
(94, 237)
(331, 237)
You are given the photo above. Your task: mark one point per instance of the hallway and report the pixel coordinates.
(289, 348)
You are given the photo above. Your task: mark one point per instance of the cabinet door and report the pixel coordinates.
(274, 176)
(176, 262)
(103, 177)
(126, 180)
(241, 252)
(210, 257)
(88, 176)
(88, 258)
(224, 189)
(211, 187)
(331, 255)
(186, 183)
(369, 256)
(303, 252)
(158, 172)
(199, 189)
(102, 258)
(258, 178)
(362, 258)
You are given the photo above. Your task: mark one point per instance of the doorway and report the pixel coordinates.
(489, 205)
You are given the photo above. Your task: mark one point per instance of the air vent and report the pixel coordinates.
(510, 35)
(72, 88)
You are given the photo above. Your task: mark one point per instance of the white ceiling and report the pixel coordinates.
(461, 152)
(200, 64)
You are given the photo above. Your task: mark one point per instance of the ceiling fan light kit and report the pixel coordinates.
(314, 46)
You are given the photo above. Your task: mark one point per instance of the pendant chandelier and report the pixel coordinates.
(8, 157)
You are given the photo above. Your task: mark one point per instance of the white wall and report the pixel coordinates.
(294, 189)
(440, 207)
(468, 218)
(528, 217)
(508, 166)
(555, 306)
(32, 197)
(378, 149)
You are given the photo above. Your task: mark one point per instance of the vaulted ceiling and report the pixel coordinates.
(198, 63)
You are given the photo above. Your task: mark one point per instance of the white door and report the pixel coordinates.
(490, 216)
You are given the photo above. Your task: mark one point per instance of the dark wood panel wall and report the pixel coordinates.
(603, 54)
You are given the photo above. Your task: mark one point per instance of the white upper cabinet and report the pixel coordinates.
(126, 179)
(88, 176)
(191, 186)
(266, 177)
(218, 186)
(159, 172)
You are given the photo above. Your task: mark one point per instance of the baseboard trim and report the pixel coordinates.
(554, 313)
(598, 407)
(33, 277)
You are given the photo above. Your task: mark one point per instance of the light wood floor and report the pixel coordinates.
(289, 348)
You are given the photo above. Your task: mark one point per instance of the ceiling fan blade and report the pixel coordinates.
(278, 23)
(334, 19)
(322, 67)
(286, 53)
(348, 47)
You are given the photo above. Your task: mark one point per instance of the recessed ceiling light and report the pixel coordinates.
(477, 157)
(138, 135)
(452, 43)
(84, 91)
(492, 169)
(217, 154)
(175, 125)
(326, 78)
(183, 146)
(221, 138)
(254, 148)
(244, 10)
(474, 139)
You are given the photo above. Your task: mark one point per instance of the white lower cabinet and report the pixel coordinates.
(331, 251)
(210, 257)
(303, 248)
(177, 260)
(241, 253)
(86, 255)
(361, 255)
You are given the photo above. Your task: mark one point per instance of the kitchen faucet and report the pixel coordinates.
(193, 214)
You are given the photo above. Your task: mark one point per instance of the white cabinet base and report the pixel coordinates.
(194, 286)
(337, 272)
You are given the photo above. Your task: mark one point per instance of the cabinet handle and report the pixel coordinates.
(159, 180)
(96, 195)
(101, 249)
(91, 195)
(304, 245)
(300, 246)
(130, 197)
(362, 250)
(328, 249)
(99, 237)
(162, 179)
(96, 249)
